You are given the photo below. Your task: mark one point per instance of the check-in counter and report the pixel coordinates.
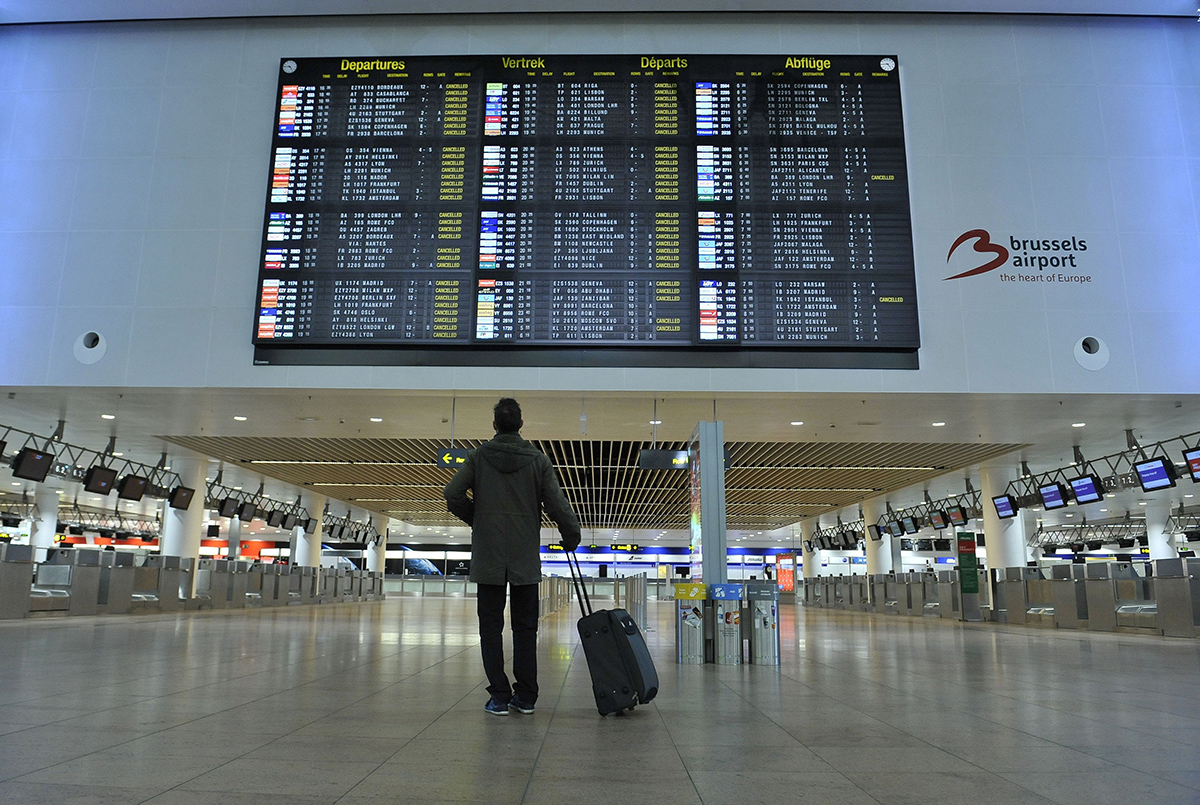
(68, 581)
(1193, 570)
(239, 583)
(307, 586)
(51, 590)
(931, 605)
(213, 577)
(116, 582)
(1070, 599)
(254, 584)
(270, 585)
(1173, 598)
(839, 591)
(380, 592)
(878, 582)
(341, 585)
(174, 580)
(1039, 598)
(914, 583)
(862, 593)
(1101, 593)
(893, 593)
(1010, 591)
(16, 578)
(947, 592)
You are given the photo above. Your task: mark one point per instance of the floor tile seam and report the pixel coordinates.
(750, 704)
(671, 737)
(400, 748)
(1155, 774)
(235, 707)
(550, 725)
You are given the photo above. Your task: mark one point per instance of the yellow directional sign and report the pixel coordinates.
(451, 457)
(691, 592)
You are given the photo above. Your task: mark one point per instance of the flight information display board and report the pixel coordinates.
(669, 210)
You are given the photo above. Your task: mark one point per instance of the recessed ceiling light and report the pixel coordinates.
(1104, 510)
(16, 483)
(1141, 503)
(938, 424)
(1070, 515)
(376, 419)
(1078, 424)
(239, 419)
(1188, 496)
(118, 455)
(655, 421)
(797, 422)
(107, 416)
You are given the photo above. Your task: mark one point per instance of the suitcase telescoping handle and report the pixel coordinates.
(585, 603)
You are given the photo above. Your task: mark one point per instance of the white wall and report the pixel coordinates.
(134, 158)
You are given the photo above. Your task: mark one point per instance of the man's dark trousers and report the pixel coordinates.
(523, 611)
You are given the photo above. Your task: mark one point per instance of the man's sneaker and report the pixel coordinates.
(520, 705)
(495, 708)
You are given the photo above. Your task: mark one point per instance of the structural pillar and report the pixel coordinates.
(44, 522)
(1005, 538)
(879, 552)
(234, 549)
(308, 546)
(811, 560)
(1157, 514)
(377, 548)
(181, 530)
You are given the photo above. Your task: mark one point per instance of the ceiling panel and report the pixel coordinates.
(770, 484)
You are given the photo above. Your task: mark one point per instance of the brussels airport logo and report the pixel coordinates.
(1028, 254)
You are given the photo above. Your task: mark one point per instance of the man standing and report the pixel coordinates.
(511, 480)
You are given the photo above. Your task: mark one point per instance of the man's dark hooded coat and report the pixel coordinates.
(512, 480)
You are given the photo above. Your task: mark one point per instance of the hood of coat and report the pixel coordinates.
(508, 452)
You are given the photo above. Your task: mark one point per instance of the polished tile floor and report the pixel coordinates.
(382, 702)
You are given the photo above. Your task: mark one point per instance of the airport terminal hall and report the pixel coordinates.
(711, 402)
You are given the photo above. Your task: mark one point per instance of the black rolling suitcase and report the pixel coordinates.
(623, 674)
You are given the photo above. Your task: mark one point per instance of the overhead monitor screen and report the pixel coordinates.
(1157, 473)
(938, 520)
(549, 210)
(1087, 489)
(1053, 495)
(874, 532)
(1005, 505)
(895, 528)
(1192, 457)
(957, 515)
(910, 525)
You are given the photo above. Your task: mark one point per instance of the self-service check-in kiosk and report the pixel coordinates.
(16, 578)
(727, 622)
(762, 603)
(689, 623)
(915, 582)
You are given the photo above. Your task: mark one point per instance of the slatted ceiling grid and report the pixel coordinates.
(768, 484)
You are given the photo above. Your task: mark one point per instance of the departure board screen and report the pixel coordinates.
(630, 210)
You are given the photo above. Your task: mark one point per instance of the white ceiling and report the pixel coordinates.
(34, 11)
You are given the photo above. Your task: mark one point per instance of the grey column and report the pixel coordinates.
(1157, 514)
(181, 532)
(44, 523)
(375, 553)
(811, 561)
(1005, 538)
(308, 546)
(879, 552)
(234, 548)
